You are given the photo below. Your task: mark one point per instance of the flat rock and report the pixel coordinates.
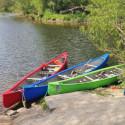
(6, 124)
(30, 115)
(11, 112)
(78, 108)
(21, 110)
(33, 104)
(5, 120)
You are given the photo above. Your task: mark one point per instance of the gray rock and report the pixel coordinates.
(21, 110)
(78, 108)
(11, 112)
(5, 123)
(5, 120)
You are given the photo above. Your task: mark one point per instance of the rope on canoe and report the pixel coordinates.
(24, 101)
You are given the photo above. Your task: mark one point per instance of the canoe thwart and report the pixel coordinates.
(45, 72)
(89, 78)
(50, 65)
(34, 79)
(90, 65)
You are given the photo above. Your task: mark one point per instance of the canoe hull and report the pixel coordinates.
(30, 96)
(11, 98)
(66, 88)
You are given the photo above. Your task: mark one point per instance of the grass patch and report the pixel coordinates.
(43, 104)
(79, 17)
(103, 25)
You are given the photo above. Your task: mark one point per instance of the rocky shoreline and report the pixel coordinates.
(8, 117)
(82, 108)
(59, 22)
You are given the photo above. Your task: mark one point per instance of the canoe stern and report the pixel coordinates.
(31, 94)
(11, 98)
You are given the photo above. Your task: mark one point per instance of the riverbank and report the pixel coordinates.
(106, 27)
(76, 19)
(87, 109)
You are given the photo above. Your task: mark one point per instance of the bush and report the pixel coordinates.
(102, 25)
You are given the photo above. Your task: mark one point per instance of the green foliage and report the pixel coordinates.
(102, 24)
(57, 5)
(5, 5)
(51, 15)
(43, 104)
(64, 17)
(36, 8)
(17, 7)
(25, 6)
(105, 26)
(122, 79)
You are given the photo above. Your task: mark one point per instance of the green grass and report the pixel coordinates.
(43, 104)
(101, 26)
(48, 15)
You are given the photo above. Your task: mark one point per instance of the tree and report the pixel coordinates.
(5, 5)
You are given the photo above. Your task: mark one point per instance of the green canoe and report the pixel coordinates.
(92, 80)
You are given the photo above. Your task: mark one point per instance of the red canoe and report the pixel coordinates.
(14, 95)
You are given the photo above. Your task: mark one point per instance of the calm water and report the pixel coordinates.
(24, 46)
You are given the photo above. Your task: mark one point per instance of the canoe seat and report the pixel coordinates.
(64, 76)
(53, 69)
(89, 78)
(50, 69)
(53, 65)
(34, 79)
(91, 65)
(45, 72)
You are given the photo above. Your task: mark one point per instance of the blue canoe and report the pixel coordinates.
(39, 88)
